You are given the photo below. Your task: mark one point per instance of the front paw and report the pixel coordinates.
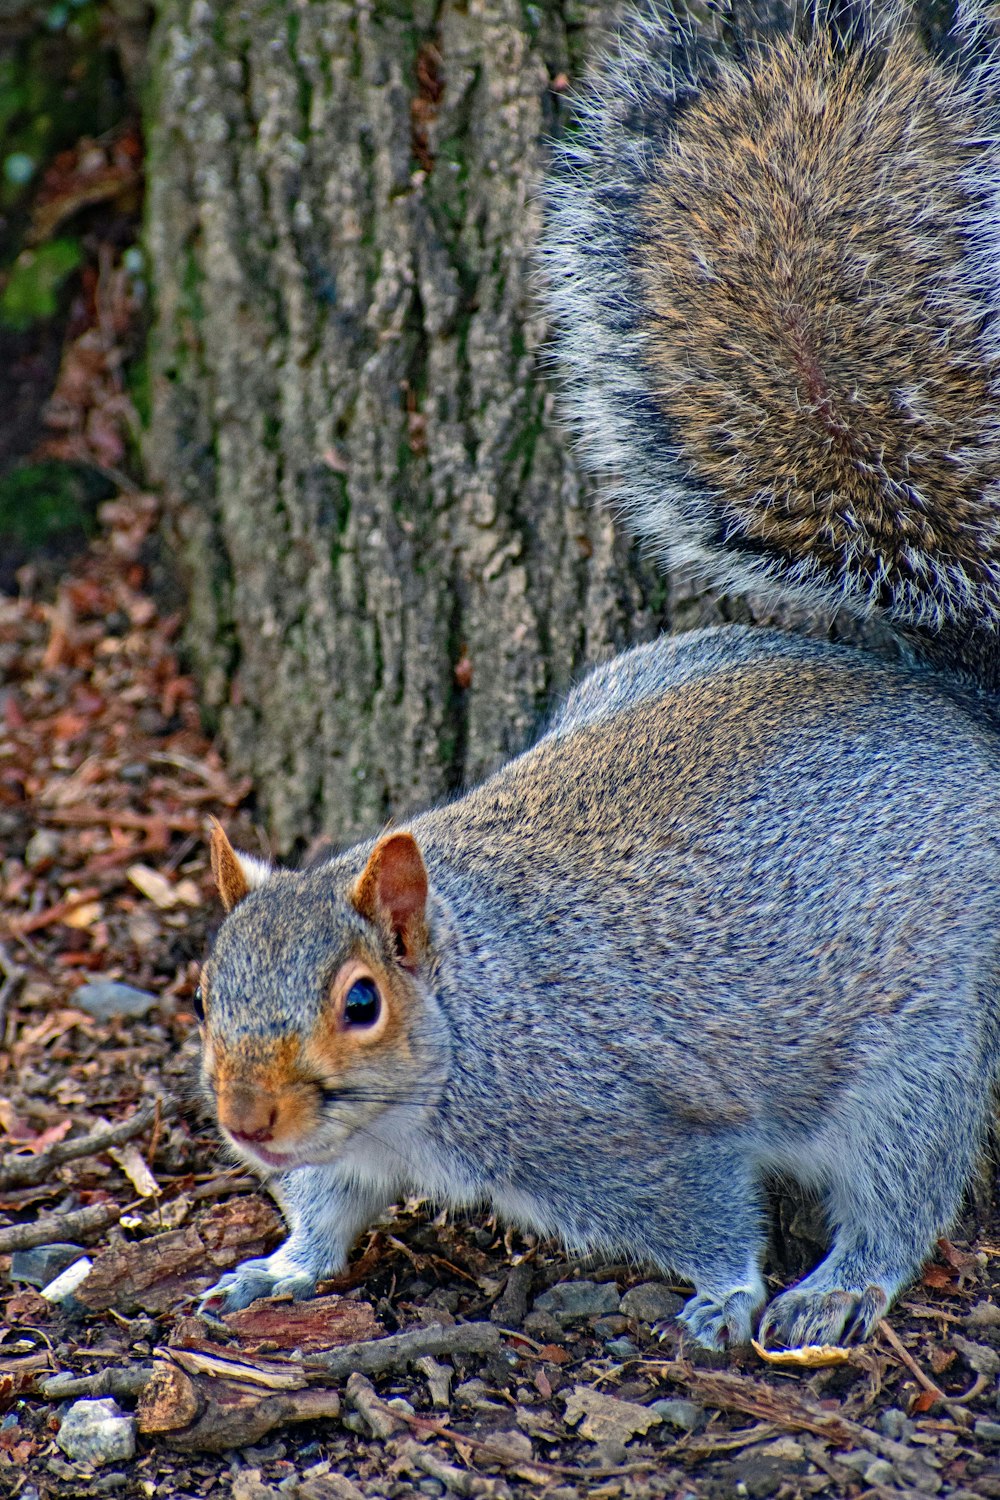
(271, 1276)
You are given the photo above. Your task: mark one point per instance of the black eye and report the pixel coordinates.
(363, 1003)
(198, 1004)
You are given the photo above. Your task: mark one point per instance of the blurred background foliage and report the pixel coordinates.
(71, 272)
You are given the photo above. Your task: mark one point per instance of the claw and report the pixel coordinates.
(254, 1279)
(720, 1322)
(797, 1318)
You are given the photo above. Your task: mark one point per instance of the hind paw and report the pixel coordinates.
(720, 1322)
(800, 1317)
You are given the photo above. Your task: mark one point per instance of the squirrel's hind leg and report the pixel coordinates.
(713, 1236)
(899, 1162)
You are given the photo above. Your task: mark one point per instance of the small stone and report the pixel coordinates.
(106, 998)
(611, 1326)
(880, 1472)
(543, 1327)
(650, 1302)
(785, 1448)
(688, 1416)
(758, 1477)
(43, 846)
(97, 1432)
(569, 1301)
(621, 1348)
(894, 1423)
(987, 1431)
(860, 1459)
(611, 1452)
(40, 1266)
(476, 1393)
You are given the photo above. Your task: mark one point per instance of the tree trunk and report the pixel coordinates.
(393, 563)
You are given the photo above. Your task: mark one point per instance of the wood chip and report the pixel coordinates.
(322, 1323)
(206, 1361)
(154, 1275)
(601, 1417)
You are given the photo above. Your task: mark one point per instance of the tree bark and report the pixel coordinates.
(393, 563)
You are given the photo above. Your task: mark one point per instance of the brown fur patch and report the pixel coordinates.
(334, 1052)
(814, 343)
(227, 870)
(263, 1086)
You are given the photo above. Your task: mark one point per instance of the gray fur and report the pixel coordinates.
(669, 956)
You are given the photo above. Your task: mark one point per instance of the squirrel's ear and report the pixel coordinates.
(393, 886)
(235, 874)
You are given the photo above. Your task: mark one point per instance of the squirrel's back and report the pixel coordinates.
(775, 267)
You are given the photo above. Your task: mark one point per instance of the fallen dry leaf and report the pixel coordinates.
(161, 891)
(807, 1356)
(133, 1164)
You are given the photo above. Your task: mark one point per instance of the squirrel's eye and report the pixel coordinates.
(363, 1003)
(198, 1004)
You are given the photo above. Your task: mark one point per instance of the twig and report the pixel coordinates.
(52, 1228)
(120, 817)
(905, 1357)
(14, 977)
(25, 1171)
(52, 914)
(398, 1350)
(495, 1452)
(128, 1382)
(785, 1409)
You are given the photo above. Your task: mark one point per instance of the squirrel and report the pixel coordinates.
(737, 912)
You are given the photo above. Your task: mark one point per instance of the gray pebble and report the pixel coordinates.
(543, 1327)
(651, 1302)
(621, 1348)
(42, 846)
(105, 998)
(687, 1415)
(40, 1266)
(610, 1327)
(895, 1424)
(860, 1459)
(987, 1431)
(97, 1432)
(880, 1472)
(569, 1300)
(756, 1476)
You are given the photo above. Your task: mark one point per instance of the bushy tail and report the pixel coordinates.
(773, 254)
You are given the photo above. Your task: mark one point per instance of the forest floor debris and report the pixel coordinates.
(454, 1357)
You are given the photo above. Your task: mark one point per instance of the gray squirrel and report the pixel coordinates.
(737, 913)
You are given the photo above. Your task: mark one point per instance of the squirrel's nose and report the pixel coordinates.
(265, 1133)
(248, 1115)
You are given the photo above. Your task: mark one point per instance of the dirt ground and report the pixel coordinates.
(500, 1368)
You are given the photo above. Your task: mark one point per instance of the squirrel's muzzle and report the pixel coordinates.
(248, 1114)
